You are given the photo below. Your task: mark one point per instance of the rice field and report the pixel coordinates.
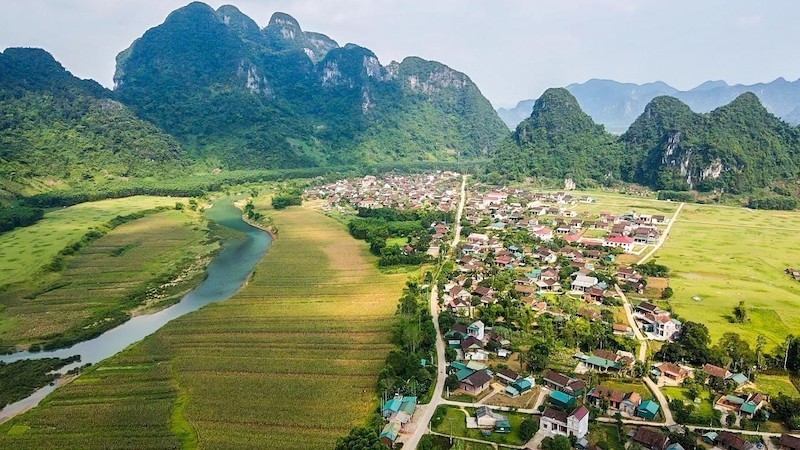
(99, 277)
(24, 250)
(719, 256)
(289, 362)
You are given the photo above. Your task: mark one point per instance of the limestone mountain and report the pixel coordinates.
(280, 96)
(616, 105)
(559, 140)
(736, 148)
(57, 128)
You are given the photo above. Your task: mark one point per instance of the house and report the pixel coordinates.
(672, 371)
(604, 360)
(622, 329)
(651, 439)
(743, 404)
(624, 242)
(648, 409)
(476, 383)
(563, 383)
(716, 372)
(558, 422)
(487, 419)
(582, 283)
(647, 307)
(732, 441)
(507, 376)
(626, 402)
(562, 400)
(390, 433)
(789, 442)
(520, 387)
(666, 327)
(477, 329)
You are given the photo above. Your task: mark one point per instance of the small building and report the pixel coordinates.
(716, 372)
(507, 376)
(732, 441)
(789, 442)
(489, 419)
(558, 422)
(560, 382)
(648, 409)
(672, 371)
(390, 433)
(626, 402)
(477, 330)
(651, 439)
(562, 400)
(476, 383)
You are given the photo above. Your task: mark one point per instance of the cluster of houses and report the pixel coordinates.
(431, 190)
(548, 215)
(398, 412)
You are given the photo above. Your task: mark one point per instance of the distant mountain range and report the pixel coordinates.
(616, 105)
(737, 148)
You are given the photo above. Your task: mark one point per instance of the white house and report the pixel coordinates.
(544, 233)
(666, 328)
(575, 423)
(623, 242)
(477, 329)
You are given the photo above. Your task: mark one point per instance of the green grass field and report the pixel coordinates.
(289, 362)
(703, 413)
(100, 276)
(775, 384)
(24, 250)
(454, 424)
(724, 255)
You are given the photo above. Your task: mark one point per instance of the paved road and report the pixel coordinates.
(426, 412)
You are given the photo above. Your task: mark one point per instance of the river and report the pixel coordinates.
(227, 273)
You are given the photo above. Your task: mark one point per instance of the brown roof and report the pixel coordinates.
(733, 440)
(508, 373)
(580, 413)
(557, 378)
(555, 415)
(673, 369)
(716, 371)
(612, 395)
(478, 378)
(606, 354)
(652, 439)
(790, 442)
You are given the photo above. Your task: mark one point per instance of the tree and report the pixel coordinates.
(740, 313)
(761, 344)
(556, 443)
(360, 438)
(538, 356)
(527, 429)
(451, 382)
(667, 293)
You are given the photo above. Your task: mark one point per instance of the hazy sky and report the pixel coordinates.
(513, 49)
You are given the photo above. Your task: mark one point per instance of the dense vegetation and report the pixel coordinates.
(560, 141)
(55, 126)
(377, 226)
(739, 148)
(18, 216)
(283, 97)
(284, 199)
(20, 379)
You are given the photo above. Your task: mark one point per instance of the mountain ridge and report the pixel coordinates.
(616, 105)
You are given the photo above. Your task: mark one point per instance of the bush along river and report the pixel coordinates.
(227, 273)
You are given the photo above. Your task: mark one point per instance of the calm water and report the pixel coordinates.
(226, 274)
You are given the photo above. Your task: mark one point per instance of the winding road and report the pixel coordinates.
(426, 411)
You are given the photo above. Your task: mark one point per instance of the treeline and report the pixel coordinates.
(284, 199)
(776, 202)
(677, 196)
(19, 216)
(20, 379)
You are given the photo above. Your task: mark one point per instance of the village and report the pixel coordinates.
(556, 329)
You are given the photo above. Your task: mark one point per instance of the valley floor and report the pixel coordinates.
(289, 362)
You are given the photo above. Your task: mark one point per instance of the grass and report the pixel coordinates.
(703, 413)
(292, 358)
(775, 384)
(724, 255)
(607, 433)
(628, 386)
(101, 282)
(455, 424)
(24, 250)
(399, 241)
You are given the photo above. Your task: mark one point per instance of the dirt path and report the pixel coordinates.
(663, 239)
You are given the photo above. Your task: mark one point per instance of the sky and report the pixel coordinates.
(512, 49)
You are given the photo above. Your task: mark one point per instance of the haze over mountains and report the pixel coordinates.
(616, 105)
